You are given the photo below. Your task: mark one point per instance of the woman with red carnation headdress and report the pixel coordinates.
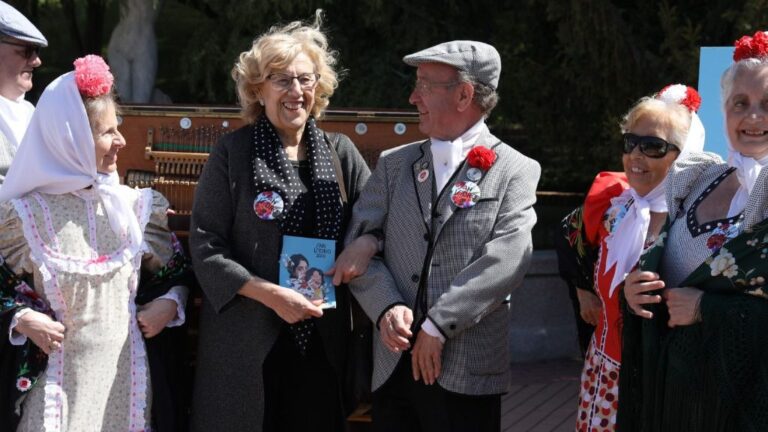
(82, 239)
(621, 216)
(695, 340)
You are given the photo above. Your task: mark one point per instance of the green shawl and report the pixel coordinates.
(709, 376)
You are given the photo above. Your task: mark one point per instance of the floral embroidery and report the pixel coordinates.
(23, 384)
(721, 235)
(724, 264)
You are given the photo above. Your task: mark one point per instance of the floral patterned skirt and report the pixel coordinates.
(599, 392)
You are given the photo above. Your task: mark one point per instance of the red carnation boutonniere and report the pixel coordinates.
(481, 157)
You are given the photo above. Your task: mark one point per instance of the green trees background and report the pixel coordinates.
(571, 68)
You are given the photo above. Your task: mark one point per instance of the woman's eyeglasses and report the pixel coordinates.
(29, 50)
(307, 81)
(651, 146)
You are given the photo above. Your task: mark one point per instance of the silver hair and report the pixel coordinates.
(675, 117)
(729, 76)
(485, 96)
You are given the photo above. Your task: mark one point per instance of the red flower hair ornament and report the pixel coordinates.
(481, 157)
(92, 76)
(751, 47)
(681, 94)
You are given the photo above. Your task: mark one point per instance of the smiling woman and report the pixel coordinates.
(696, 363)
(278, 175)
(83, 240)
(623, 215)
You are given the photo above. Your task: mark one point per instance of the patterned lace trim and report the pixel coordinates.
(68, 264)
(54, 394)
(137, 419)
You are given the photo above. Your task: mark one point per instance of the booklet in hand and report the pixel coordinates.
(303, 263)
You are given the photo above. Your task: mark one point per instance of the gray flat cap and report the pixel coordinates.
(14, 24)
(478, 59)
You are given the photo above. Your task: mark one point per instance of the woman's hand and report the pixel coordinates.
(353, 260)
(155, 315)
(291, 306)
(590, 306)
(44, 332)
(636, 285)
(683, 305)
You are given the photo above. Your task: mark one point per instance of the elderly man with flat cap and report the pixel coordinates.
(20, 43)
(450, 219)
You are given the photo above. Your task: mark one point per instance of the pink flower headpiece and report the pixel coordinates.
(92, 76)
(681, 94)
(751, 47)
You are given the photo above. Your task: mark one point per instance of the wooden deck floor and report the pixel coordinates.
(543, 398)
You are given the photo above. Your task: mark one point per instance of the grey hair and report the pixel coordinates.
(729, 76)
(94, 107)
(485, 96)
(675, 117)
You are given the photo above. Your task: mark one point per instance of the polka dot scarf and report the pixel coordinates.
(272, 171)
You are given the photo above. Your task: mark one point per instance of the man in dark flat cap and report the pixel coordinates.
(20, 43)
(451, 218)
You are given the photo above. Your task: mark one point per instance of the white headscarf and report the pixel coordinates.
(625, 244)
(58, 156)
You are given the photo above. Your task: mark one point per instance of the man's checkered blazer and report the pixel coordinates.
(467, 261)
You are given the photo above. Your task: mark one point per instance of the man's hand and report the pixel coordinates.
(426, 358)
(354, 259)
(395, 328)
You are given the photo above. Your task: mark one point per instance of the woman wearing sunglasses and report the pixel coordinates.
(695, 344)
(621, 216)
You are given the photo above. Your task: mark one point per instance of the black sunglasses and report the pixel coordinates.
(29, 50)
(651, 146)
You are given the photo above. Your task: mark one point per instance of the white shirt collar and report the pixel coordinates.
(14, 118)
(448, 155)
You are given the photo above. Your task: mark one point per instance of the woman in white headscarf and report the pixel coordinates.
(622, 215)
(69, 227)
(697, 344)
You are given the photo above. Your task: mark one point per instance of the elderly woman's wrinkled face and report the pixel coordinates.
(645, 173)
(108, 139)
(746, 113)
(288, 108)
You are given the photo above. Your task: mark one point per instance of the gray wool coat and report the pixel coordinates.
(229, 244)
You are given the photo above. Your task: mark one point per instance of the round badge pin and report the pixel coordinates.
(423, 175)
(465, 194)
(474, 174)
(268, 205)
